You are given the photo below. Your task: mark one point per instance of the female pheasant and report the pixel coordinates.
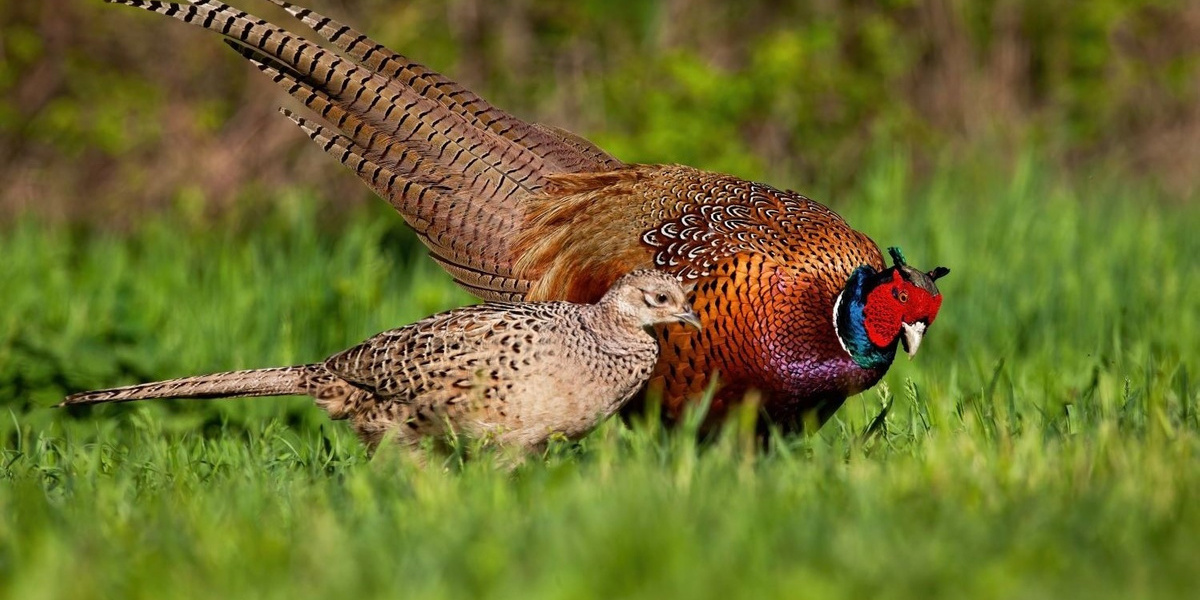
(513, 373)
(795, 303)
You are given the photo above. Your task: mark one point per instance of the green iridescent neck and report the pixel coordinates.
(849, 321)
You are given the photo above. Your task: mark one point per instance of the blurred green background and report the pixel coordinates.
(106, 112)
(158, 218)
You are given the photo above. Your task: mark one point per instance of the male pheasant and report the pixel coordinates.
(795, 303)
(511, 373)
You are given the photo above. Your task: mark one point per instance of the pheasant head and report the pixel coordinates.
(879, 310)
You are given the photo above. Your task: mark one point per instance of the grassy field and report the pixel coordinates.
(1044, 444)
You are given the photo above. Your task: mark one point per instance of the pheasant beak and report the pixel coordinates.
(911, 337)
(688, 318)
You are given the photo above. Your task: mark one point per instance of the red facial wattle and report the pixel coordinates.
(924, 308)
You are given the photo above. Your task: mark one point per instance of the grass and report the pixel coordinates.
(1045, 443)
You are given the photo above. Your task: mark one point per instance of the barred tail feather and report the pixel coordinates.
(458, 169)
(281, 381)
(562, 153)
(380, 179)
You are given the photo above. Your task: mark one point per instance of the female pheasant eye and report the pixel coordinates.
(654, 299)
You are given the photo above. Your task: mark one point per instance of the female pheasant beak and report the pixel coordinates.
(688, 317)
(911, 336)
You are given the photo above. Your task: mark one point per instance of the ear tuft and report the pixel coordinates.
(938, 273)
(897, 256)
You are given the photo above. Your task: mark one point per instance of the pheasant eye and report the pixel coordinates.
(661, 298)
(900, 295)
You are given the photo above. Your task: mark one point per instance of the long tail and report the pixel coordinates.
(282, 381)
(458, 169)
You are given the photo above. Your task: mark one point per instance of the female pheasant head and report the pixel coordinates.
(878, 310)
(649, 297)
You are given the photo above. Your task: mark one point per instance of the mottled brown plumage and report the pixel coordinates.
(512, 373)
(515, 210)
